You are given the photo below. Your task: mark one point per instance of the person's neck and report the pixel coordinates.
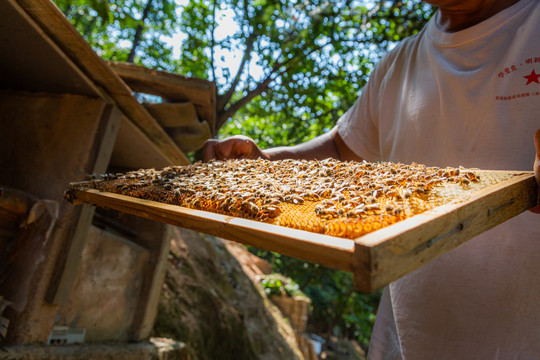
(452, 20)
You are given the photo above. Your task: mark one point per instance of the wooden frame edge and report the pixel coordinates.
(387, 254)
(326, 250)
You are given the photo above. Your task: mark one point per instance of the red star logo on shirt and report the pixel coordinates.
(533, 77)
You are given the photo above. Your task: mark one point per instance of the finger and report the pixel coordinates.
(209, 152)
(236, 147)
(243, 149)
(224, 149)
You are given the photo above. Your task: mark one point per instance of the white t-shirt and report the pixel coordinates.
(469, 98)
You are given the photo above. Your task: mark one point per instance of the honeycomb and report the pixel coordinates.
(342, 199)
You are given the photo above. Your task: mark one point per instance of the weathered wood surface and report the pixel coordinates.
(62, 283)
(147, 307)
(131, 152)
(56, 94)
(24, 275)
(172, 87)
(14, 208)
(14, 203)
(46, 141)
(53, 25)
(182, 124)
(108, 287)
(31, 61)
(375, 259)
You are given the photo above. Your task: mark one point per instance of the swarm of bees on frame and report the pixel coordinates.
(343, 199)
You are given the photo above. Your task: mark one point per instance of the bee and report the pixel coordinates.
(327, 213)
(224, 205)
(195, 203)
(393, 193)
(463, 180)
(324, 192)
(309, 195)
(406, 193)
(271, 211)
(372, 207)
(338, 197)
(371, 199)
(390, 182)
(251, 207)
(327, 202)
(294, 199)
(472, 176)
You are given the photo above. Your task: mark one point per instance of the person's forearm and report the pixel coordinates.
(329, 145)
(319, 148)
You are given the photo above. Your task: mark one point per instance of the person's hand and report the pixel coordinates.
(234, 147)
(536, 209)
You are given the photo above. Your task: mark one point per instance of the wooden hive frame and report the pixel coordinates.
(375, 259)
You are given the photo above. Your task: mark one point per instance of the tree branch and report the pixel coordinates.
(224, 115)
(288, 63)
(213, 42)
(225, 98)
(138, 32)
(233, 109)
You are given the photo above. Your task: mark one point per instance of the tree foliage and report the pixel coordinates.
(126, 30)
(312, 59)
(337, 310)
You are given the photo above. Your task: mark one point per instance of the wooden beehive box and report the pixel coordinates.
(376, 258)
(64, 114)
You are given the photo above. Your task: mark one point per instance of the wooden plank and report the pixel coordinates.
(143, 322)
(181, 122)
(47, 140)
(16, 203)
(54, 25)
(326, 250)
(112, 118)
(131, 151)
(25, 274)
(387, 254)
(167, 85)
(39, 65)
(61, 285)
(173, 87)
(14, 208)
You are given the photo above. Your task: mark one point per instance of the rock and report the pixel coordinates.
(212, 306)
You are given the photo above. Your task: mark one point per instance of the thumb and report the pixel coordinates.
(209, 150)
